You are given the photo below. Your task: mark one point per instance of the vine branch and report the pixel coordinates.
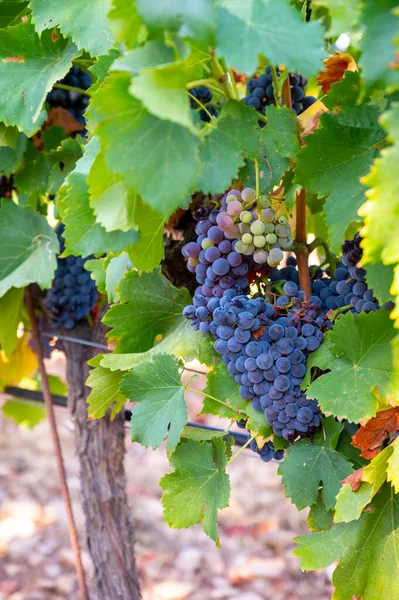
(302, 252)
(73, 534)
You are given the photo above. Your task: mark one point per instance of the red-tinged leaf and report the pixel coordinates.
(335, 69)
(354, 479)
(371, 436)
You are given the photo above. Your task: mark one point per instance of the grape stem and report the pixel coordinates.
(302, 253)
(225, 79)
(71, 88)
(340, 310)
(214, 86)
(201, 393)
(257, 181)
(330, 258)
(253, 436)
(275, 85)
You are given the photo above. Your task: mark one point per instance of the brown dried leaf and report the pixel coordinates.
(310, 118)
(370, 437)
(335, 69)
(62, 118)
(355, 479)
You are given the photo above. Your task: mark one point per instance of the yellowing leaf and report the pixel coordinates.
(22, 363)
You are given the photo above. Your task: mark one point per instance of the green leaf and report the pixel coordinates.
(280, 142)
(113, 203)
(381, 242)
(11, 12)
(83, 235)
(97, 268)
(115, 271)
(85, 22)
(152, 54)
(319, 518)
(274, 29)
(137, 145)
(379, 278)
(367, 550)
(124, 22)
(345, 447)
(194, 19)
(222, 152)
(343, 15)
(393, 466)
(8, 136)
(10, 317)
(307, 465)
(100, 69)
(334, 159)
(350, 504)
(198, 434)
(198, 486)
(377, 43)
(361, 364)
(63, 160)
(28, 68)
(147, 253)
(33, 172)
(24, 412)
(104, 393)
(161, 410)
(28, 248)
(10, 159)
(221, 385)
(151, 306)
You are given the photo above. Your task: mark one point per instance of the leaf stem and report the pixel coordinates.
(340, 310)
(257, 179)
(201, 105)
(71, 88)
(201, 393)
(275, 84)
(214, 87)
(302, 252)
(253, 436)
(225, 80)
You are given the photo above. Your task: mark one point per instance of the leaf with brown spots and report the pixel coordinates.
(371, 436)
(335, 69)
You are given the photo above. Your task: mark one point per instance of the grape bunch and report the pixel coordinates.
(72, 101)
(262, 237)
(267, 451)
(261, 92)
(204, 97)
(73, 294)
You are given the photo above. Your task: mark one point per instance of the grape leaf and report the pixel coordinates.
(194, 19)
(85, 22)
(367, 549)
(137, 145)
(377, 43)
(83, 235)
(115, 271)
(307, 465)
(148, 252)
(280, 142)
(350, 502)
(10, 158)
(198, 486)
(104, 393)
(28, 248)
(379, 278)
(20, 364)
(393, 466)
(361, 364)
(381, 211)
(11, 12)
(331, 163)
(111, 200)
(152, 54)
(198, 434)
(28, 68)
(151, 306)
(372, 435)
(222, 151)
(124, 22)
(8, 136)
(161, 410)
(319, 518)
(343, 15)
(24, 412)
(274, 29)
(33, 172)
(221, 385)
(97, 268)
(63, 160)
(10, 317)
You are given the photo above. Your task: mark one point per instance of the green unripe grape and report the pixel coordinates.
(231, 198)
(247, 238)
(250, 250)
(283, 230)
(260, 256)
(275, 257)
(245, 216)
(240, 247)
(286, 242)
(244, 228)
(257, 227)
(271, 238)
(268, 215)
(248, 195)
(206, 243)
(269, 227)
(259, 241)
(282, 219)
(264, 202)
